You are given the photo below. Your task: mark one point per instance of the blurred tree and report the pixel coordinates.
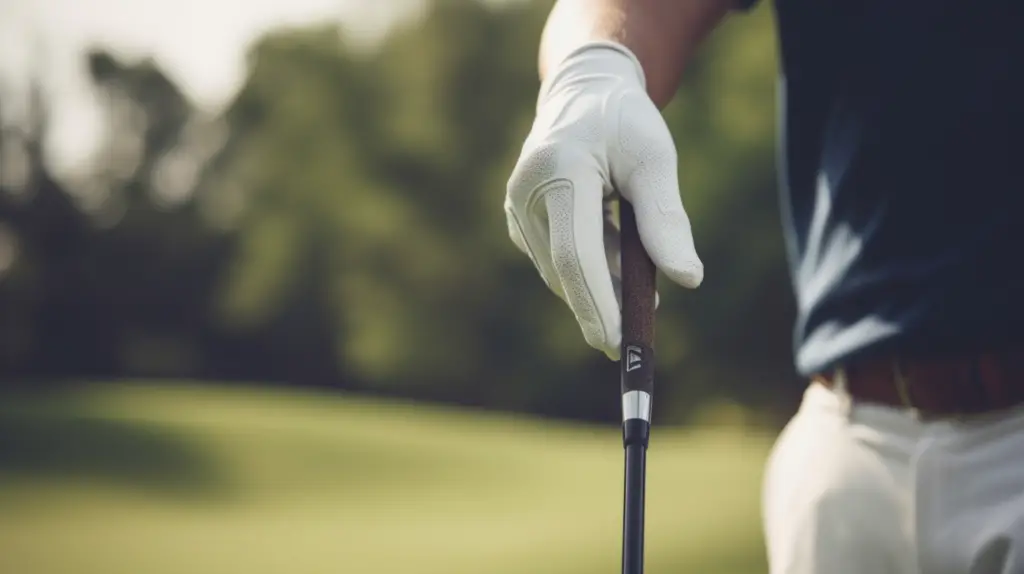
(737, 326)
(44, 325)
(341, 224)
(110, 276)
(386, 170)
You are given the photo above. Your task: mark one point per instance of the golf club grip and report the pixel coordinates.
(638, 286)
(637, 368)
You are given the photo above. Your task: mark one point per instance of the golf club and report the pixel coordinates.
(637, 372)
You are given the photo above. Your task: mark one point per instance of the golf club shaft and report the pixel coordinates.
(633, 510)
(637, 371)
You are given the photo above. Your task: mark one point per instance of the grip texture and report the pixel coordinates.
(638, 288)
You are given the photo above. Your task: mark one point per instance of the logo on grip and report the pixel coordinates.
(634, 358)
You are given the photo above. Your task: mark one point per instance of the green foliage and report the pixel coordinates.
(396, 161)
(350, 232)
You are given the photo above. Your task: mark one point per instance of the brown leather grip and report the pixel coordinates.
(638, 286)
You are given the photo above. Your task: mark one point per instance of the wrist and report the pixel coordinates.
(593, 61)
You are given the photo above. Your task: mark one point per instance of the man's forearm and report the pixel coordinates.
(662, 33)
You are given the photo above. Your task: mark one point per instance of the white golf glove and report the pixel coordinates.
(596, 133)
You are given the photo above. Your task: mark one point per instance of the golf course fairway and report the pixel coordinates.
(179, 478)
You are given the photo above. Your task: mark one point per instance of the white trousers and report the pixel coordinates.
(863, 489)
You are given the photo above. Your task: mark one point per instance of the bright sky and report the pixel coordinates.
(201, 44)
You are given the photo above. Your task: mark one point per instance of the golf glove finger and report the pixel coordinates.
(597, 133)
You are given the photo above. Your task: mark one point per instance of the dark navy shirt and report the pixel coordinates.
(902, 175)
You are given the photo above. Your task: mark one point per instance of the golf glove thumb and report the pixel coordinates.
(596, 133)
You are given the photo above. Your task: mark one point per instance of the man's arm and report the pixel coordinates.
(663, 34)
(607, 67)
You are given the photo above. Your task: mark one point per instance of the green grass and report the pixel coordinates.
(143, 479)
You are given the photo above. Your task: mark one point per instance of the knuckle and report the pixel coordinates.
(649, 143)
(643, 132)
(538, 165)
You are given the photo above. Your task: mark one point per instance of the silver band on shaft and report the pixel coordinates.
(636, 405)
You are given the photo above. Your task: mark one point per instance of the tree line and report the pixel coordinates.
(340, 225)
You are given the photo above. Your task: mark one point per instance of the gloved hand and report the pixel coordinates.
(597, 133)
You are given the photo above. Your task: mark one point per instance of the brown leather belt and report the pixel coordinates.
(937, 388)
